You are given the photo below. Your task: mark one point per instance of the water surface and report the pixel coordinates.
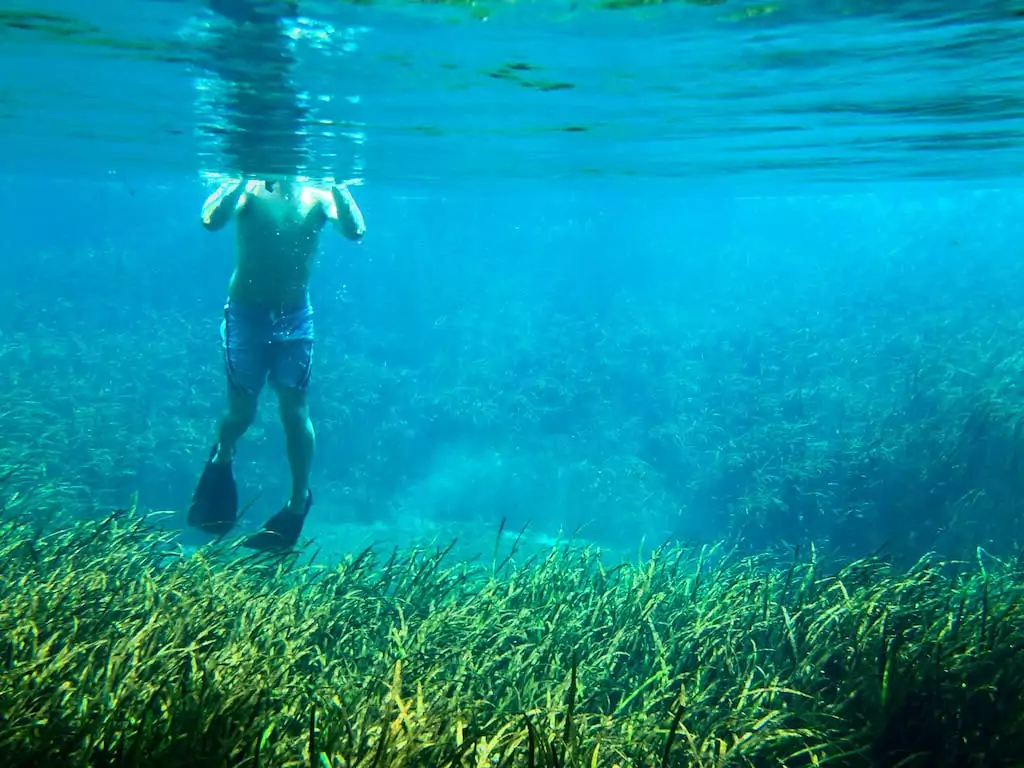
(732, 92)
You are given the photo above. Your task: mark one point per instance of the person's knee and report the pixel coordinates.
(242, 409)
(295, 414)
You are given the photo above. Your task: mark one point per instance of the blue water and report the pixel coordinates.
(586, 227)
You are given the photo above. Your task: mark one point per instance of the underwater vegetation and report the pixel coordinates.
(856, 418)
(807, 439)
(118, 649)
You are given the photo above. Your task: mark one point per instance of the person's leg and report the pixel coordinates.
(291, 363)
(234, 423)
(214, 507)
(245, 343)
(301, 442)
(291, 360)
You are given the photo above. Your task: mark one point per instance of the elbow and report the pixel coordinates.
(352, 230)
(358, 228)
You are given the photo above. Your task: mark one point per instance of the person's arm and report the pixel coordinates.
(344, 214)
(222, 204)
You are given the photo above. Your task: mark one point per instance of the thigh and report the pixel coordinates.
(291, 367)
(292, 351)
(246, 347)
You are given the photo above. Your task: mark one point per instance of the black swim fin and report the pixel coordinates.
(214, 508)
(281, 532)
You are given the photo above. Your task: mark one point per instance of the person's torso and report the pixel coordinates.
(277, 241)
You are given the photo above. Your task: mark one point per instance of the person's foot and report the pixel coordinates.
(214, 508)
(281, 532)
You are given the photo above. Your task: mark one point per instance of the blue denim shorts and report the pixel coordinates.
(262, 344)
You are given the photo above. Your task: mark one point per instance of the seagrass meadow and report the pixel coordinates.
(117, 649)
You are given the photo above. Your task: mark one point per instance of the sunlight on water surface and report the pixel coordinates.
(840, 91)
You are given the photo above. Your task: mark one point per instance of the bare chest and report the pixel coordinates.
(289, 220)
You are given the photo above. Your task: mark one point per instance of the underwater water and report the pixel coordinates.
(668, 414)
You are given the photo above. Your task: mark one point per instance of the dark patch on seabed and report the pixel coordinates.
(65, 28)
(47, 23)
(511, 72)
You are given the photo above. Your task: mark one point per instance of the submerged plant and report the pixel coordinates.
(117, 649)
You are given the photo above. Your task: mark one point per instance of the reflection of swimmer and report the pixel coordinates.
(249, 104)
(258, 105)
(245, 11)
(267, 333)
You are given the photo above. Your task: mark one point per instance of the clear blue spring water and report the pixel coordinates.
(524, 168)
